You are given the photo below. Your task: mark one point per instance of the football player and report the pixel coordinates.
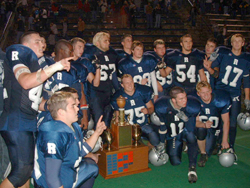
(140, 67)
(187, 65)
(23, 83)
(60, 151)
(214, 112)
(177, 114)
(164, 82)
(107, 58)
(126, 42)
(234, 68)
(138, 106)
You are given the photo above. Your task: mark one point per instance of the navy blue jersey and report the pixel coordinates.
(165, 82)
(220, 104)
(108, 61)
(140, 70)
(134, 103)
(56, 140)
(167, 115)
(21, 106)
(82, 71)
(87, 63)
(232, 70)
(2, 59)
(186, 67)
(122, 54)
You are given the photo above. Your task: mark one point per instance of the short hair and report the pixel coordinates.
(58, 101)
(98, 36)
(185, 36)
(202, 84)
(77, 39)
(125, 36)
(213, 40)
(237, 35)
(175, 91)
(25, 37)
(136, 43)
(158, 41)
(125, 76)
(68, 89)
(62, 44)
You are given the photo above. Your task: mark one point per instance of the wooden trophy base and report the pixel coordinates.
(123, 162)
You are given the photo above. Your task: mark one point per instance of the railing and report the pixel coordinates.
(6, 30)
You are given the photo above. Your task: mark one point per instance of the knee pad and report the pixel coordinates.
(201, 133)
(174, 160)
(21, 174)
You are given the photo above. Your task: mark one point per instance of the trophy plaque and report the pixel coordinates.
(123, 157)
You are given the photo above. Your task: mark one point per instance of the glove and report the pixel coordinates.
(161, 147)
(161, 64)
(182, 116)
(247, 104)
(214, 55)
(96, 62)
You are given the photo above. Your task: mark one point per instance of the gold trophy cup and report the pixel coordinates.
(136, 134)
(121, 101)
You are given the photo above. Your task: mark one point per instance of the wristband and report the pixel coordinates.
(53, 68)
(84, 107)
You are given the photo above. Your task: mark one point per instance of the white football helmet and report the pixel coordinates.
(226, 157)
(157, 158)
(243, 120)
(98, 144)
(155, 119)
(91, 124)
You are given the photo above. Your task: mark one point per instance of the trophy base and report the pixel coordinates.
(123, 162)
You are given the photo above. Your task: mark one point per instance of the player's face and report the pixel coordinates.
(237, 43)
(127, 43)
(160, 50)
(72, 111)
(128, 85)
(35, 44)
(205, 94)
(210, 47)
(187, 44)
(78, 49)
(76, 97)
(180, 101)
(138, 52)
(44, 43)
(103, 43)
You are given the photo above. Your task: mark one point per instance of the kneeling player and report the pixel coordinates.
(178, 118)
(60, 148)
(213, 105)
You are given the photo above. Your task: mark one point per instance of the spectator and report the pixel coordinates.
(132, 10)
(51, 42)
(37, 3)
(55, 10)
(243, 6)
(138, 5)
(65, 28)
(216, 6)
(123, 14)
(86, 10)
(158, 16)
(149, 15)
(208, 6)
(80, 27)
(31, 22)
(44, 17)
(226, 4)
(93, 8)
(233, 9)
(53, 28)
(193, 14)
(20, 29)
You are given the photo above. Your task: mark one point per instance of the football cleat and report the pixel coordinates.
(192, 175)
(203, 159)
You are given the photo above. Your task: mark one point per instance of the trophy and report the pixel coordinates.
(108, 138)
(121, 101)
(136, 134)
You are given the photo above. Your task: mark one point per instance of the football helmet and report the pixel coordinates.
(155, 119)
(98, 144)
(91, 124)
(243, 120)
(226, 157)
(157, 158)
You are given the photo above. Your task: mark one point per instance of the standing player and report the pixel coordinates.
(126, 42)
(187, 65)
(214, 112)
(138, 106)
(23, 83)
(60, 148)
(140, 67)
(178, 119)
(234, 67)
(164, 82)
(107, 59)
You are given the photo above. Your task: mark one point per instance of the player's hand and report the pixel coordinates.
(84, 123)
(224, 145)
(93, 156)
(207, 63)
(214, 55)
(100, 126)
(156, 97)
(144, 81)
(66, 63)
(208, 124)
(247, 104)
(144, 110)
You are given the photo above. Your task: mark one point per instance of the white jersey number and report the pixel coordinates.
(238, 73)
(139, 115)
(190, 73)
(214, 119)
(104, 74)
(35, 96)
